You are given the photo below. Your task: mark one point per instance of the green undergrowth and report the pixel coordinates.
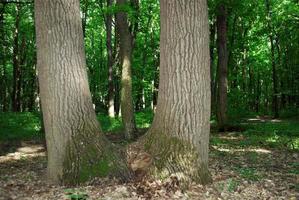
(110, 124)
(27, 126)
(278, 134)
(20, 126)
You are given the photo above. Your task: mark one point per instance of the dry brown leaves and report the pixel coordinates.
(236, 175)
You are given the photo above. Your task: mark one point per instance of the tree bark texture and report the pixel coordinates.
(126, 48)
(222, 65)
(77, 149)
(178, 139)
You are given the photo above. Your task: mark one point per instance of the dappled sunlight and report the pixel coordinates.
(234, 150)
(263, 119)
(227, 137)
(24, 153)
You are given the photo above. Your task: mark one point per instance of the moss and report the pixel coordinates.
(174, 156)
(85, 161)
(98, 169)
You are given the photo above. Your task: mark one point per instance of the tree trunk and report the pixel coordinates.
(84, 16)
(110, 62)
(126, 48)
(212, 56)
(77, 149)
(178, 139)
(222, 66)
(2, 60)
(230, 60)
(16, 90)
(274, 76)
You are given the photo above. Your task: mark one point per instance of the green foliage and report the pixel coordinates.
(232, 185)
(294, 168)
(249, 174)
(27, 126)
(143, 120)
(20, 126)
(250, 80)
(109, 123)
(73, 194)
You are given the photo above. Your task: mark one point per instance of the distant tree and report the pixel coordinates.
(77, 149)
(273, 61)
(126, 49)
(222, 65)
(16, 90)
(110, 61)
(178, 139)
(3, 78)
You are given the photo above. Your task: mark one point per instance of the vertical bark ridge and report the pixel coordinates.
(76, 146)
(183, 109)
(126, 48)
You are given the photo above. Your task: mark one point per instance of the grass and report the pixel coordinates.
(27, 126)
(283, 135)
(280, 135)
(19, 126)
(143, 120)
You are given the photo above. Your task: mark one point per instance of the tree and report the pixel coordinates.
(3, 92)
(110, 62)
(178, 139)
(16, 92)
(126, 49)
(77, 149)
(273, 62)
(222, 65)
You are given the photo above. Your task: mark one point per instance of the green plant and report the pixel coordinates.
(249, 174)
(72, 194)
(232, 185)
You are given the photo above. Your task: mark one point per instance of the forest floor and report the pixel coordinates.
(256, 163)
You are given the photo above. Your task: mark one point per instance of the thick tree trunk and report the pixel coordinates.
(16, 90)
(178, 139)
(222, 66)
(126, 48)
(110, 62)
(77, 149)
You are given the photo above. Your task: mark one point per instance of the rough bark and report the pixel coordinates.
(77, 149)
(222, 66)
(126, 48)
(178, 139)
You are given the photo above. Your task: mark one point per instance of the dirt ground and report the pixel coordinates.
(237, 174)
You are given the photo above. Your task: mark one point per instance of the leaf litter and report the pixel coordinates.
(244, 174)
